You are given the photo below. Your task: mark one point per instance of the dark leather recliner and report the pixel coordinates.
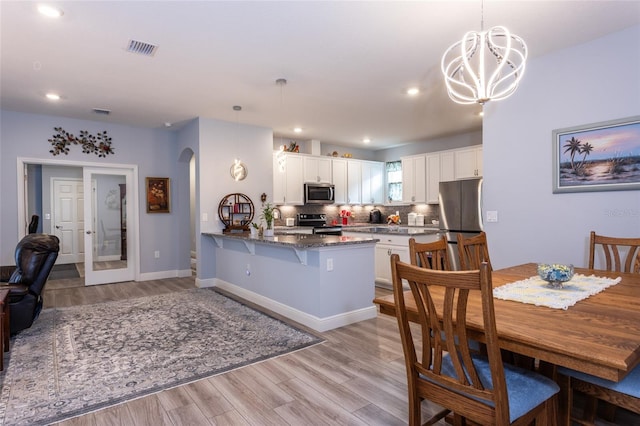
(35, 256)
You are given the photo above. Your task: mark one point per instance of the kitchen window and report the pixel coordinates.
(394, 181)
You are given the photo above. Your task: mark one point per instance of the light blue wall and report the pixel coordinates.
(220, 143)
(153, 151)
(592, 82)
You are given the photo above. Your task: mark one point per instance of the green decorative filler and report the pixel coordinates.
(99, 144)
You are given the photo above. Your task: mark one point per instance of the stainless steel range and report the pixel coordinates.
(319, 223)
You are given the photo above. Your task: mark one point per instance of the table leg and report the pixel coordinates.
(7, 324)
(3, 344)
(565, 400)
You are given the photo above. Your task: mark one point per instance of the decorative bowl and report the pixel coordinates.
(555, 274)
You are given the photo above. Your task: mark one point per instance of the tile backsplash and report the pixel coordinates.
(359, 214)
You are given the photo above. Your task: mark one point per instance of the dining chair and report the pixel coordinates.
(439, 364)
(431, 255)
(620, 255)
(473, 251)
(614, 250)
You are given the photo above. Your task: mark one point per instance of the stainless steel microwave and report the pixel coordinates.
(319, 193)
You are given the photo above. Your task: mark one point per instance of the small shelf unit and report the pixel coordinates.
(236, 212)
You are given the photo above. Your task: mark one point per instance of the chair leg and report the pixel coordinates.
(415, 411)
(565, 400)
(590, 409)
(607, 411)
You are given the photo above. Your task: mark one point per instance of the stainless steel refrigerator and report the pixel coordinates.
(460, 212)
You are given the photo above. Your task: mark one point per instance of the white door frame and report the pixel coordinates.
(133, 228)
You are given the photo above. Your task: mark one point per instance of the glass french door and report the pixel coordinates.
(106, 209)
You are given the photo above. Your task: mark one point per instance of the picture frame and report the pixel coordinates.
(158, 194)
(602, 156)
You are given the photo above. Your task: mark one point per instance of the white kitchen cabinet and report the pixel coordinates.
(394, 244)
(339, 179)
(354, 182)
(317, 169)
(372, 173)
(447, 166)
(288, 179)
(414, 179)
(468, 162)
(383, 254)
(433, 178)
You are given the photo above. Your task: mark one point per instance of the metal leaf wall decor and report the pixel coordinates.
(99, 144)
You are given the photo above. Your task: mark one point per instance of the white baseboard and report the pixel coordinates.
(202, 283)
(311, 321)
(181, 273)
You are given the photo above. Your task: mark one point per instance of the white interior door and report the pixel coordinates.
(108, 255)
(67, 221)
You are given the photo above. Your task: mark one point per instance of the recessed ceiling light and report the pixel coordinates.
(50, 11)
(366, 140)
(53, 96)
(413, 91)
(481, 114)
(297, 129)
(167, 124)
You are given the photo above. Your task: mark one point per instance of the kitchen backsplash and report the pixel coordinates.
(359, 214)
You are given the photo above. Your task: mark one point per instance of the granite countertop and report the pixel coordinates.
(301, 241)
(390, 229)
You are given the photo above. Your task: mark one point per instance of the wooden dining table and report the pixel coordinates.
(599, 335)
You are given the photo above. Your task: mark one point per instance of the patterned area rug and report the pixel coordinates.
(81, 359)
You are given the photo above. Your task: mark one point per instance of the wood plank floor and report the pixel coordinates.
(356, 377)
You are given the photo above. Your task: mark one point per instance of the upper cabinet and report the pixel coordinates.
(447, 166)
(468, 162)
(372, 182)
(433, 178)
(354, 182)
(317, 169)
(414, 179)
(339, 179)
(288, 179)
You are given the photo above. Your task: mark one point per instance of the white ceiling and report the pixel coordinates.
(347, 63)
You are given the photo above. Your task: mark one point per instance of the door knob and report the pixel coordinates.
(89, 232)
(58, 227)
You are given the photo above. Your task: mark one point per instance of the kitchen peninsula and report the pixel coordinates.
(321, 281)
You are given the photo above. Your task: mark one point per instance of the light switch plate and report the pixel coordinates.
(492, 215)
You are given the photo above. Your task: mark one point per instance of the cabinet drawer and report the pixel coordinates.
(396, 240)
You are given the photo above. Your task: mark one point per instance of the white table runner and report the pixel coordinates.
(535, 291)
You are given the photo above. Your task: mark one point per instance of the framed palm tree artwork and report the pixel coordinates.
(597, 157)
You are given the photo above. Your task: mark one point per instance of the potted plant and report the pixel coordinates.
(267, 215)
(254, 229)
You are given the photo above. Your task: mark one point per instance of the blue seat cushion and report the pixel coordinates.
(526, 389)
(630, 385)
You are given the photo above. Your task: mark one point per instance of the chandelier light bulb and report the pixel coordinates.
(484, 66)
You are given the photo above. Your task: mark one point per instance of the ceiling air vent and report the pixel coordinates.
(141, 48)
(101, 111)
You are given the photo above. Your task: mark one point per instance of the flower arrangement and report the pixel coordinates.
(345, 215)
(293, 147)
(393, 219)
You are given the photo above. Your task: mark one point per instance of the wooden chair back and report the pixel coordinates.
(473, 251)
(620, 254)
(443, 331)
(430, 255)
